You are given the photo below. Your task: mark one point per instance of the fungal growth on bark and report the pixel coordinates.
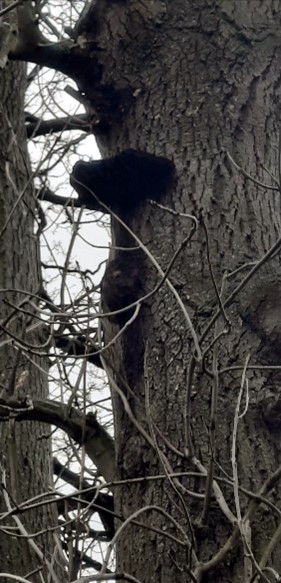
(123, 181)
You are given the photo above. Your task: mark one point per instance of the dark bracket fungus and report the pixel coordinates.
(123, 181)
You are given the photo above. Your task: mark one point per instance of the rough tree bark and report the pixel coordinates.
(206, 78)
(25, 448)
(193, 81)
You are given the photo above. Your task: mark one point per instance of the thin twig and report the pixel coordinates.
(23, 530)
(241, 285)
(185, 542)
(156, 265)
(176, 486)
(11, 7)
(254, 180)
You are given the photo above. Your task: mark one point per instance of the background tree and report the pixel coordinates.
(194, 371)
(25, 451)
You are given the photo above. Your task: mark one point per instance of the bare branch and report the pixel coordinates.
(100, 502)
(87, 430)
(40, 127)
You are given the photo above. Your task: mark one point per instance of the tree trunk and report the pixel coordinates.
(205, 80)
(25, 447)
(199, 83)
